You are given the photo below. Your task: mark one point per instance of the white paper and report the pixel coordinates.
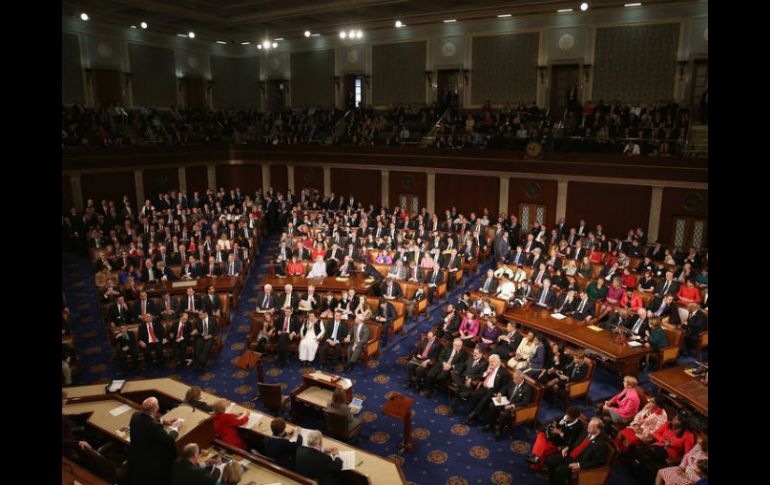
(501, 402)
(245, 462)
(116, 385)
(230, 407)
(558, 316)
(300, 431)
(345, 383)
(120, 410)
(348, 460)
(321, 376)
(254, 420)
(634, 344)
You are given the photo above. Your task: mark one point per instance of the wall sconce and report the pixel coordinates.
(429, 77)
(541, 71)
(587, 72)
(683, 70)
(466, 76)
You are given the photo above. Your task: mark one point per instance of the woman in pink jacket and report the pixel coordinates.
(645, 423)
(623, 407)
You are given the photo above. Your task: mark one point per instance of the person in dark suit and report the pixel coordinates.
(317, 463)
(187, 471)
(425, 356)
(149, 273)
(665, 307)
(212, 269)
(519, 394)
(266, 299)
(696, 322)
(232, 268)
(668, 286)
(289, 298)
(450, 359)
(546, 296)
(165, 274)
(288, 331)
(494, 378)
(391, 290)
(206, 330)
(190, 303)
(125, 343)
(193, 399)
(575, 371)
(566, 302)
(433, 280)
(385, 315)
(467, 376)
(144, 305)
(336, 331)
(179, 337)
(450, 323)
(356, 340)
(589, 451)
(212, 303)
(489, 284)
(279, 448)
(450, 262)
(152, 451)
(555, 436)
(119, 313)
(584, 308)
(152, 338)
(508, 343)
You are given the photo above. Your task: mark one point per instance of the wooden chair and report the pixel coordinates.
(398, 323)
(703, 342)
(670, 353)
(579, 389)
(408, 290)
(601, 475)
(372, 348)
(270, 395)
(528, 414)
(337, 427)
(96, 462)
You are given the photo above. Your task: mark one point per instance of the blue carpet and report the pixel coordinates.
(446, 452)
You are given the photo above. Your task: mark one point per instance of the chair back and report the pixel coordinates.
(96, 462)
(270, 395)
(336, 425)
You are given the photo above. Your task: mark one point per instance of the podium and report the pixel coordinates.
(251, 359)
(400, 407)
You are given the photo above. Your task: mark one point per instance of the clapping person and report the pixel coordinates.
(641, 428)
(555, 436)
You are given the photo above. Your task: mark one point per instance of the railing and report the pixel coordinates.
(430, 137)
(339, 127)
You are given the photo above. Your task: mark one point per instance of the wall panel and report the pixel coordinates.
(365, 185)
(617, 208)
(153, 75)
(159, 180)
(247, 176)
(682, 203)
(66, 194)
(398, 73)
(279, 178)
(71, 70)
(468, 193)
(504, 68)
(197, 178)
(312, 79)
(111, 186)
(236, 82)
(412, 183)
(308, 177)
(523, 191)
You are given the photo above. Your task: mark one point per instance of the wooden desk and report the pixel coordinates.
(102, 419)
(330, 283)
(675, 381)
(253, 472)
(400, 407)
(376, 469)
(625, 358)
(221, 285)
(316, 391)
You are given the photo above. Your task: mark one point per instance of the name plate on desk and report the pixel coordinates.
(595, 328)
(183, 284)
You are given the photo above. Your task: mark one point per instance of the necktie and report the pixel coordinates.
(144, 307)
(286, 325)
(582, 305)
(334, 333)
(179, 333)
(390, 290)
(579, 449)
(542, 296)
(661, 309)
(427, 349)
(515, 390)
(357, 332)
(486, 284)
(637, 325)
(665, 287)
(264, 302)
(191, 304)
(205, 327)
(435, 274)
(539, 277)
(490, 379)
(151, 332)
(451, 356)
(232, 269)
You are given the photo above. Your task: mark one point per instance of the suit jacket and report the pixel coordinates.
(371, 272)
(237, 267)
(150, 308)
(518, 258)
(595, 454)
(502, 378)
(206, 270)
(318, 466)
(433, 352)
(631, 322)
(185, 473)
(696, 323)
(283, 451)
(146, 274)
(536, 272)
(122, 316)
(566, 307)
(152, 451)
(213, 327)
(576, 373)
(491, 288)
(444, 262)
(396, 290)
(210, 306)
(363, 336)
(439, 278)
(520, 397)
(453, 326)
(474, 372)
(342, 330)
(389, 313)
(293, 301)
(588, 309)
(410, 273)
(184, 300)
(671, 311)
(157, 328)
(502, 248)
(550, 298)
(672, 289)
(456, 362)
(294, 324)
(272, 301)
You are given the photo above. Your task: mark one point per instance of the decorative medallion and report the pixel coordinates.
(242, 389)
(502, 478)
(532, 190)
(369, 416)
(240, 374)
(479, 452)
(353, 56)
(421, 433)
(382, 379)
(372, 364)
(193, 62)
(566, 42)
(403, 360)
(407, 182)
(693, 202)
(448, 49)
(274, 372)
(207, 376)
(455, 480)
(460, 430)
(443, 410)
(238, 346)
(398, 459)
(104, 50)
(437, 457)
(379, 437)
(520, 447)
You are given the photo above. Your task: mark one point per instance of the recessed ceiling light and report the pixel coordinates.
(133, 26)
(343, 35)
(266, 44)
(352, 34)
(564, 10)
(504, 15)
(221, 42)
(84, 17)
(191, 35)
(359, 34)
(637, 4)
(181, 35)
(584, 6)
(278, 38)
(307, 33)
(246, 43)
(449, 21)
(399, 24)
(143, 25)
(274, 45)
(259, 46)
(315, 35)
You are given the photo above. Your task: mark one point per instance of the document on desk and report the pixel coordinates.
(501, 401)
(120, 410)
(300, 431)
(116, 385)
(348, 460)
(230, 407)
(345, 383)
(595, 328)
(321, 376)
(253, 421)
(558, 316)
(632, 343)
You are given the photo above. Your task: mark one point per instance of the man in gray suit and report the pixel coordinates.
(356, 340)
(502, 247)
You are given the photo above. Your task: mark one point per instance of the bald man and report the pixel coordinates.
(152, 452)
(188, 472)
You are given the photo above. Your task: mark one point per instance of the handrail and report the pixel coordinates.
(431, 135)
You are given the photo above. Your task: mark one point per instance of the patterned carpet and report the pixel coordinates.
(447, 451)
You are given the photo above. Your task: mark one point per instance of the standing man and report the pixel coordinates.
(357, 339)
(152, 451)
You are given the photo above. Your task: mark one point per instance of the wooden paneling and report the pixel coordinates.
(66, 194)
(159, 180)
(310, 177)
(365, 185)
(197, 179)
(279, 178)
(413, 183)
(111, 186)
(247, 176)
(523, 191)
(469, 193)
(681, 202)
(617, 208)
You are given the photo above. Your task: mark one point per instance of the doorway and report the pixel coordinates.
(354, 91)
(449, 88)
(107, 86)
(276, 94)
(409, 203)
(564, 79)
(689, 232)
(195, 92)
(700, 82)
(529, 214)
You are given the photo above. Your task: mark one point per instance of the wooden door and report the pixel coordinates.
(195, 92)
(529, 214)
(108, 87)
(409, 202)
(689, 232)
(563, 78)
(449, 87)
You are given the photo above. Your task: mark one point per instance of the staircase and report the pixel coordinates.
(430, 137)
(339, 129)
(698, 141)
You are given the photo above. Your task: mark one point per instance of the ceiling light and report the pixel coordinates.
(266, 44)
(638, 4)
(182, 35)
(504, 15)
(259, 46)
(315, 35)
(278, 38)
(143, 25)
(221, 42)
(307, 33)
(343, 35)
(133, 26)
(399, 24)
(352, 34)
(274, 45)
(450, 21)
(564, 10)
(84, 16)
(359, 34)
(242, 43)
(191, 35)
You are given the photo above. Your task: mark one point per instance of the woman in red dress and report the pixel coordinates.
(226, 424)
